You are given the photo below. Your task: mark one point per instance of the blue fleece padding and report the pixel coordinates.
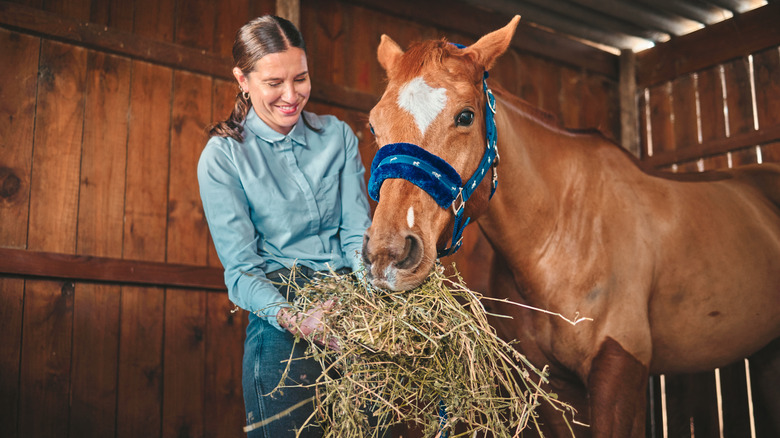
(418, 166)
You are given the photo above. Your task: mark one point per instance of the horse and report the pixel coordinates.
(675, 274)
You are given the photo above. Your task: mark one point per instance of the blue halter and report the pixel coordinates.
(437, 177)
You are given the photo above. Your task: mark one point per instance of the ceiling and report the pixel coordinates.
(614, 25)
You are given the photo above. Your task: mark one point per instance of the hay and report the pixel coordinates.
(426, 357)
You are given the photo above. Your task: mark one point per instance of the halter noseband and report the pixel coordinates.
(437, 177)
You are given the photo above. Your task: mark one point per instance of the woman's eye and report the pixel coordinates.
(371, 128)
(465, 118)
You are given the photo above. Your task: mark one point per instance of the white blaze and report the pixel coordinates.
(410, 217)
(422, 101)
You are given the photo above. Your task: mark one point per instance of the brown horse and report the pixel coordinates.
(678, 276)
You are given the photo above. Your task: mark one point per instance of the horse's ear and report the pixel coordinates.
(388, 52)
(491, 46)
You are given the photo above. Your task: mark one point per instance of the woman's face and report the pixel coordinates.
(279, 87)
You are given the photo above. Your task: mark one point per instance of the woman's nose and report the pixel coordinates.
(289, 92)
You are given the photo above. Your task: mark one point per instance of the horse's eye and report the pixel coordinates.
(465, 118)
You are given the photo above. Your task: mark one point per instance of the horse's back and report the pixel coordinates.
(764, 177)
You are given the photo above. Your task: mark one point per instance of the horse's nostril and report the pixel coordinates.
(412, 254)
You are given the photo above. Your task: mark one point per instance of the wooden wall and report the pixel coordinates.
(113, 315)
(711, 101)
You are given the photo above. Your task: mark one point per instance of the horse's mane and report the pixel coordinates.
(550, 120)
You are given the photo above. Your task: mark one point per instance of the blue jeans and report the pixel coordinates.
(267, 353)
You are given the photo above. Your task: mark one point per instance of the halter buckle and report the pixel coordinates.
(458, 200)
(491, 101)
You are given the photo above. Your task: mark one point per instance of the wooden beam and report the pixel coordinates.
(716, 147)
(462, 18)
(739, 36)
(19, 262)
(37, 22)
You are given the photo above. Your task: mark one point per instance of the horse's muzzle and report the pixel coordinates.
(391, 259)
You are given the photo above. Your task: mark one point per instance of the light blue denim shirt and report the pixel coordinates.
(275, 200)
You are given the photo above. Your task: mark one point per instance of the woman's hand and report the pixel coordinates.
(309, 325)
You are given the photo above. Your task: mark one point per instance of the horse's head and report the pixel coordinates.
(435, 128)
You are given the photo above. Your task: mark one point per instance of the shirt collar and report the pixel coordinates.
(298, 134)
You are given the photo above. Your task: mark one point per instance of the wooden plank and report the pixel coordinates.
(184, 370)
(629, 109)
(230, 16)
(154, 19)
(139, 388)
(187, 229)
(104, 269)
(661, 128)
(46, 358)
(710, 90)
(289, 9)
(259, 8)
(654, 415)
(195, 24)
(736, 75)
(462, 18)
(185, 311)
(766, 71)
(94, 363)
(11, 308)
(139, 392)
(764, 380)
(58, 130)
(736, 414)
(739, 36)
(685, 122)
(17, 110)
(770, 152)
(101, 211)
(224, 352)
(146, 204)
(691, 405)
(540, 83)
(104, 156)
(739, 141)
(75, 9)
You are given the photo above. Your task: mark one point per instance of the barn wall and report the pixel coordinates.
(113, 321)
(712, 101)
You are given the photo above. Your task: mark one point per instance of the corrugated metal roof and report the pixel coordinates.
(614, 25)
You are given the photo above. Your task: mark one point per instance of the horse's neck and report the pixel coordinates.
(543, 175)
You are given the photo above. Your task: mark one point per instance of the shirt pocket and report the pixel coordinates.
(328, 198)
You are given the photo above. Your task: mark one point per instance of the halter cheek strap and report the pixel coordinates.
(437, 177)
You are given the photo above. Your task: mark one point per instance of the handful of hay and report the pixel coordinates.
(426, 357)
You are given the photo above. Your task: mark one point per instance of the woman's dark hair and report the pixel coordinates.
(259, 37)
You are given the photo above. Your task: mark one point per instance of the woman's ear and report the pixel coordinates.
(241, 78)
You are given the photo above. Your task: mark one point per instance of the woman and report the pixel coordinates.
(281, 188)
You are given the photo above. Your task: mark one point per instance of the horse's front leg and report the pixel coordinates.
(617, 385)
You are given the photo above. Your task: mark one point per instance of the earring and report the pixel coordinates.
(245, 94)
